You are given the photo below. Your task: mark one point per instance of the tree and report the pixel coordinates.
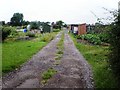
(25, 22)
(59, 24)
(17, 19)
(34, 25)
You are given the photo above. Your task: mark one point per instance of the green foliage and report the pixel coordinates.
(17, 19)
(114, 57)
(97, 58)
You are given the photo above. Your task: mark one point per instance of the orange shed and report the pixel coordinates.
(82, 29)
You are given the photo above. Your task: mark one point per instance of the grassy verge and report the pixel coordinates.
(15, 53)
(47, 75)
(60, 47)
(97, 57)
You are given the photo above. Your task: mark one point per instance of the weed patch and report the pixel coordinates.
(48, 74)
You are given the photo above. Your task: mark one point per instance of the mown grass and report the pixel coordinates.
(97, 58)
(15, 53)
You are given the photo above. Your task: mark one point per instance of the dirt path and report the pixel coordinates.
(72, 71)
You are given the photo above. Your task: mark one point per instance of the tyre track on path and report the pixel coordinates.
(73, 71)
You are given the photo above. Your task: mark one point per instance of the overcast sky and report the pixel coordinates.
(70, 11)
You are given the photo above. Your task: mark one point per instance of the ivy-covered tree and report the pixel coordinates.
(114, 57)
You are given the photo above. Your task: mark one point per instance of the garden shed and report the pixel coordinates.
(73, 28)
(46, 27)
(78, 29)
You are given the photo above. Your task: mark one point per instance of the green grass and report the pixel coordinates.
(15, 53)
(97, 58)
(48, 74)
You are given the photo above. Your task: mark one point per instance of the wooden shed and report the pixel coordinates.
(82, 29)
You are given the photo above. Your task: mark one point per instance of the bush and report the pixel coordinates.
(6, 31)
